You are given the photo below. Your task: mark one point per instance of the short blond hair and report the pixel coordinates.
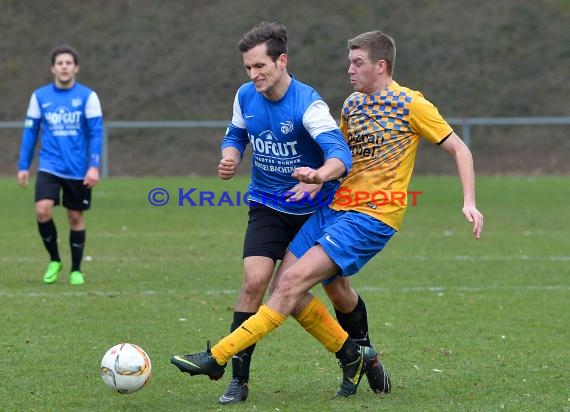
(379, 46)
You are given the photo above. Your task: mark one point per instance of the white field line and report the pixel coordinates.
(126, 232)
(368, 289)
(503, 258)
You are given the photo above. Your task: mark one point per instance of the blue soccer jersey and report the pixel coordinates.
(297, 130)
(71, 124)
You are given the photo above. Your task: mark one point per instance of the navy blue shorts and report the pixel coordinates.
(76, 196)
(350, 238)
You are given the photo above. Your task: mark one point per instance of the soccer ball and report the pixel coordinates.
(125, 368)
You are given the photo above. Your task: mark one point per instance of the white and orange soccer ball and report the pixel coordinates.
(125, 368)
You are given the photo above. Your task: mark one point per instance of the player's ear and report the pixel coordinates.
(381, 66)
(76, 69)
(282, 61)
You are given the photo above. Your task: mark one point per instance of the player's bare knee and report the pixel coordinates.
(255, 283)
(288, 285)
(342, 296)
(43, 213)
(253, 289)
(343, 303)
(75, 219)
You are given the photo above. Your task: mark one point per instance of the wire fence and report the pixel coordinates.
(464, 127)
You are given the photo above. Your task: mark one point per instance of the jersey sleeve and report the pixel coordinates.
(334, 145)
(93, 106)
(426, 120)
(30, 134)
(324, 130)
(94, 119)
(236, 133)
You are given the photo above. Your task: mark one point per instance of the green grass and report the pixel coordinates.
(462, 324)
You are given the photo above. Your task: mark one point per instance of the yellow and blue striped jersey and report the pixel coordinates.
(383, 132)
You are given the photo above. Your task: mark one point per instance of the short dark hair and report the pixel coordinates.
(274, 34)
(64, 49)
(379, 46)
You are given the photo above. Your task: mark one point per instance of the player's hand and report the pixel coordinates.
(23, 178)
(91, 177)
(474, 216)
(303, 191)
(307, 175)
(226, 168)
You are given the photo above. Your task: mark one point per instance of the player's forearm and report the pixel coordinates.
(464, 161)
(29, 140)
(233, 154)
(95, 133)
(335, 147)
(332, 169)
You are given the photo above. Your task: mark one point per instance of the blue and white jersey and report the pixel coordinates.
(295, 131)
(71, 124)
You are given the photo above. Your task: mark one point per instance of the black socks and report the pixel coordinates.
(241, 360)
(355, 323)
(348, 353)
(76, 243)
(48, 232)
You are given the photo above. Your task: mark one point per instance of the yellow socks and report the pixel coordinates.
(250, 332)
(316, 320)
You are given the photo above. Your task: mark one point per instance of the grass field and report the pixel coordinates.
(462, 324)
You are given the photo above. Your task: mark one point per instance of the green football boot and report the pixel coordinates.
(76, 278)
(52, 272)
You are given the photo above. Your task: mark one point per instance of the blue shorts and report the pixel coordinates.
(350, 238)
